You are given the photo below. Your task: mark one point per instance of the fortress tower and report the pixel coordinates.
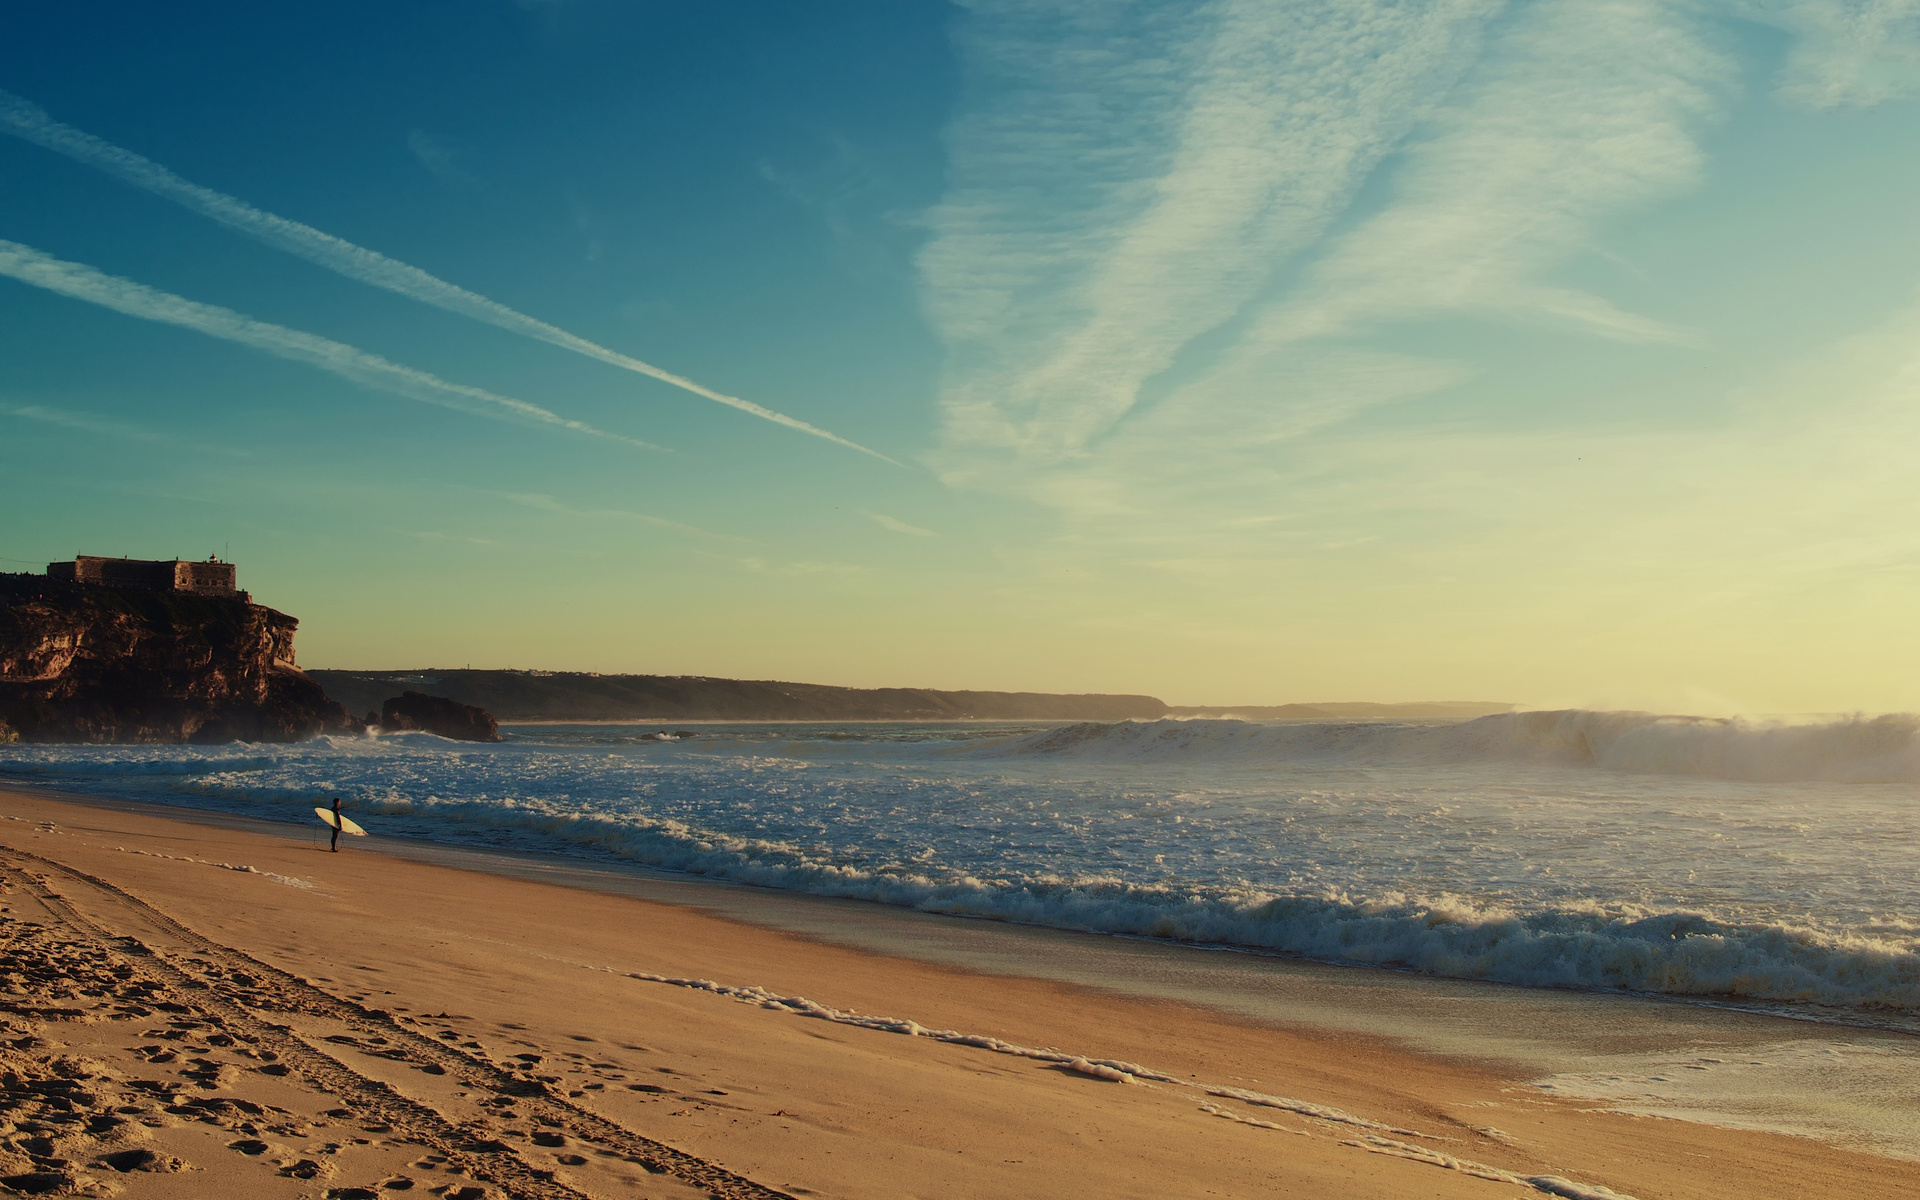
(209, 578)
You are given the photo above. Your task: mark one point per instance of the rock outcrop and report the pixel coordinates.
(437, 714)
(86, 663)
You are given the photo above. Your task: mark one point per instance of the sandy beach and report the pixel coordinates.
(193, 1010)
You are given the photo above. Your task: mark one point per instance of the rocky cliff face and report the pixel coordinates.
(83, 663)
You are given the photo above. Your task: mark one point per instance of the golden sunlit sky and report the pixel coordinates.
(1559, 353)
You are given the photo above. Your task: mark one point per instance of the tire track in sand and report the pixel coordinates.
(233, 988)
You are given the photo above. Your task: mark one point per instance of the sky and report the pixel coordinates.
(1560, 353)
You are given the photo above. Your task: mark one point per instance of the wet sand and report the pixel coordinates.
(373, 1024)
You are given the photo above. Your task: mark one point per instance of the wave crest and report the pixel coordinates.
(1581, 945)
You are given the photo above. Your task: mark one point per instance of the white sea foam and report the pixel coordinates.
(1489, 849)
(1113, 1070)
(1858, 749)
(1767, 1087)
(243, 868)
(1587, 945)
(1372, 1136)
(1552, 1185)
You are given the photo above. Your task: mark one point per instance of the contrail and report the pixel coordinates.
(28, 121)
(82, 282)
(549, 504)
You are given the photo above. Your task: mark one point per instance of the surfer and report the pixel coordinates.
(339, 822)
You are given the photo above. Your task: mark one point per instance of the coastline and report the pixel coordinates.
(501, 937)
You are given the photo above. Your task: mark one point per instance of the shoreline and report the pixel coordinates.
(709, 891)
(1327, 1033)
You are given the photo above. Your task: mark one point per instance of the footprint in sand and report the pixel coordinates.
(39, 1183)
(141, 1159)
(304, 1168)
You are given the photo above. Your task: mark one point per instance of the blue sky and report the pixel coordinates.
(1549, 352)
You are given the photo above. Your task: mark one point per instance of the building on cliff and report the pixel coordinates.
(209, 578)
(150, 662)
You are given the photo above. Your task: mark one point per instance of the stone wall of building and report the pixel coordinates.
(210, 578)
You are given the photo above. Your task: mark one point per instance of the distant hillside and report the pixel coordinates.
(573, 696)
(1448, 710)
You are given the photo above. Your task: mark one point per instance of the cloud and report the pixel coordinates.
(441, 160)
(1585, 108)
(794, 570)
(434, 535)
(81, 282)
(897, 525)
(1514, 141)
(546, 503)
(1127, 178)
(29, 122)
(82, 423)
(1846, 53)
(852, 196)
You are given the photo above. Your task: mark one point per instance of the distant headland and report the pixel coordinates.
(584, 696)
(138, 650)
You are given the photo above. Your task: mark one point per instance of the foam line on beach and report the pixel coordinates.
(1552, 1185)
(1373, 1137)
(1110, 1069)
(1214, 1110)
(242, 868)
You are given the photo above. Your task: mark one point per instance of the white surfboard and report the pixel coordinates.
(345, 825)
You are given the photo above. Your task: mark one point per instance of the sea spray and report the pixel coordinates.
(1501, 849)
(1883, 749)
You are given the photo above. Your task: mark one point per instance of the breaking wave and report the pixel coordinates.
(1586, 945)
(1858, 749)
(1489, 870)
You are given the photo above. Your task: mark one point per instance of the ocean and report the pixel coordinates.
(1765, 864)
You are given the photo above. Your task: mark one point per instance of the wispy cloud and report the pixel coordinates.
(896, 525)
(1585, 108)
(441, 160)
(1581, 110)
(81, 282)
(550, 504)
(799, 570)
(434, 535)
(101, 426)
(1846, 53)
(849, 191)
(1516, 140)
(1128, 179)
(29, 122)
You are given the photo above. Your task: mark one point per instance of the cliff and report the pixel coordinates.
(572, 696)
(85, 663)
